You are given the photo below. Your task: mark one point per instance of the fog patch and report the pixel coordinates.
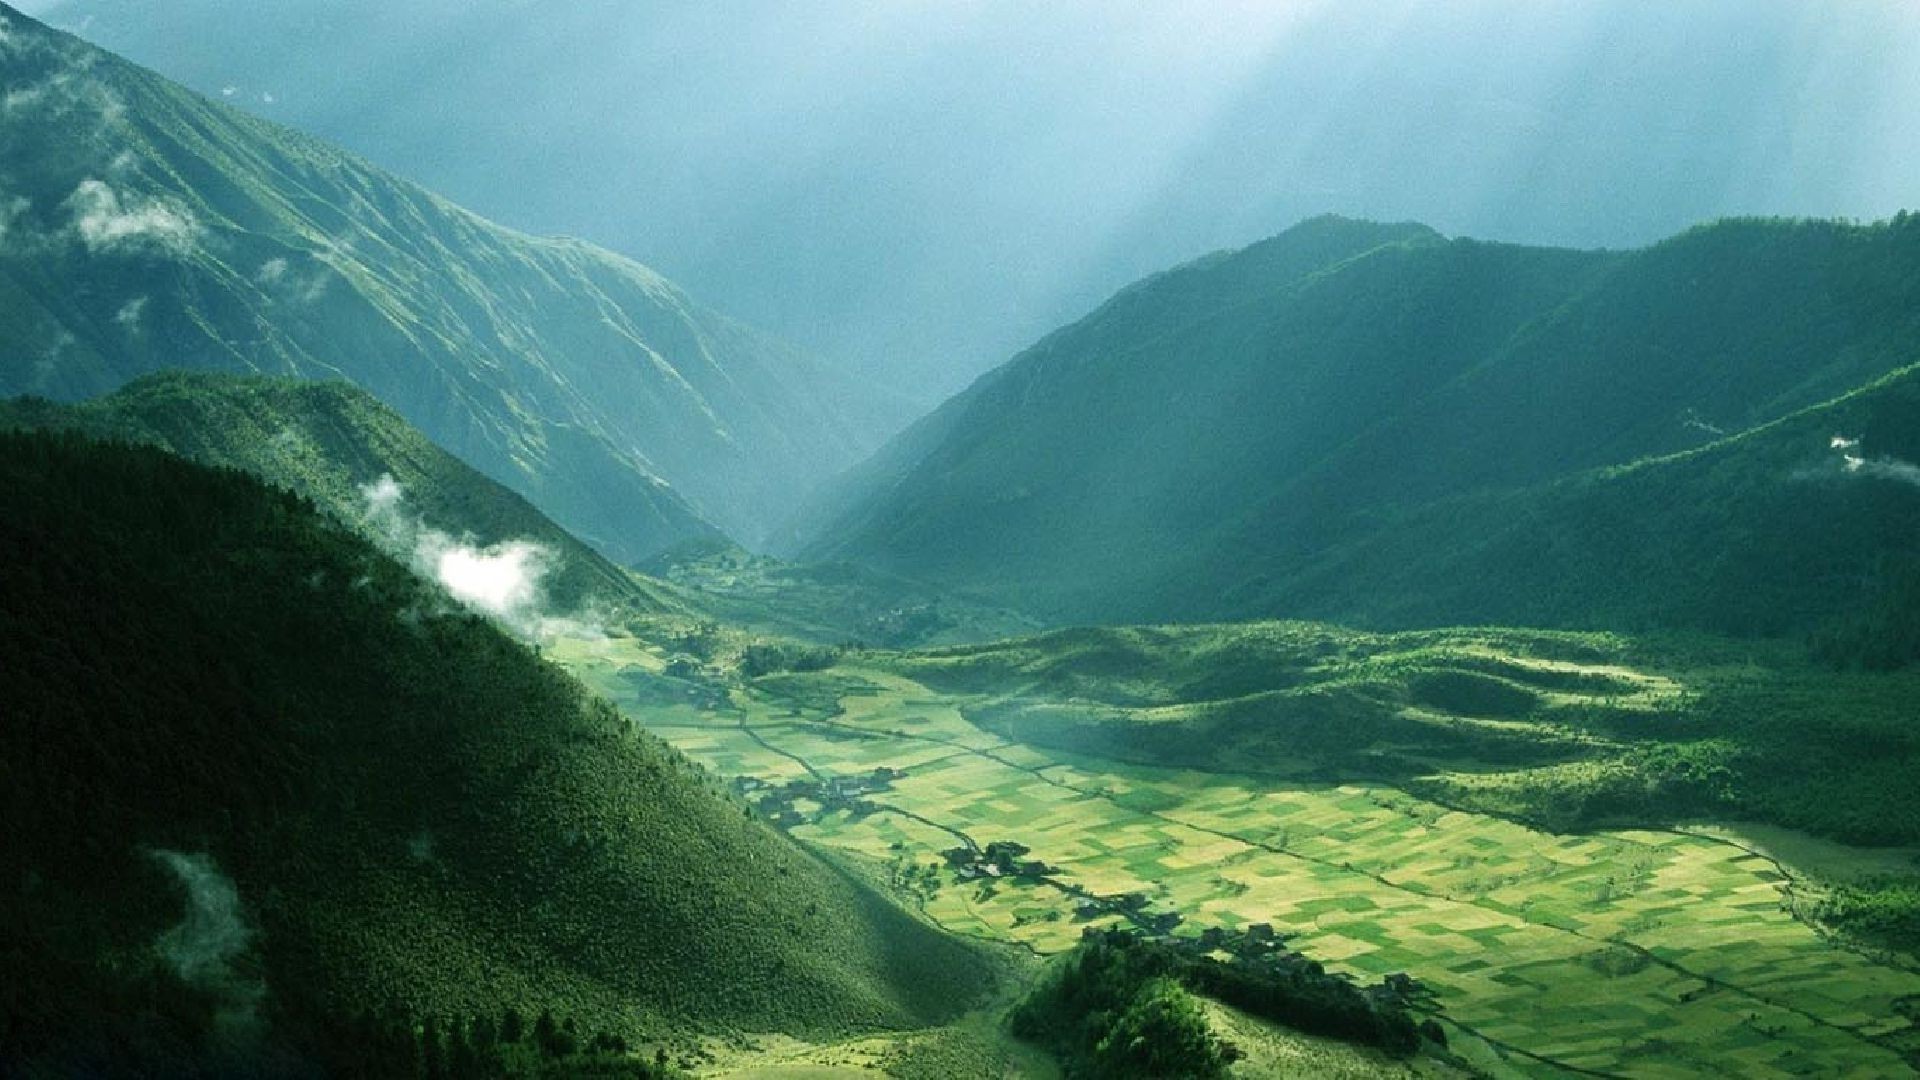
(1905, 472)
(12, 209)
(1855, 462)
(504, 580)
(130, 314)
(278, 276)
(22, 98)
(206, 944)
(108, 220)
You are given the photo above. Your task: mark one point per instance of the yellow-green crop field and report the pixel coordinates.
(1632, 953)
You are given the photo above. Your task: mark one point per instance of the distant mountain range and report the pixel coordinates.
(1378, 424)
(145, 227)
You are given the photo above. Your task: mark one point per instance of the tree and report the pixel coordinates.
(1162, 1033)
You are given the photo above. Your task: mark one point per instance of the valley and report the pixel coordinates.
(1643, 952)
(430, 650)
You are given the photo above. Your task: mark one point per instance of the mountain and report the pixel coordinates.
(877, 192)
(143, 226)
(1229, 439)
(262, 781)
(332, 443)
(1775, 530)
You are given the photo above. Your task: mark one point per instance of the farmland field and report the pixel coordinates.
(1624, 952)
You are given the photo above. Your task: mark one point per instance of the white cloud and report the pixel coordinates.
(130, 314)
(503, 580)
(270, 272)
(107, 220)
(1855, 463)
(203, 948)
(1905, 472)
(11, 210)
(22, 98)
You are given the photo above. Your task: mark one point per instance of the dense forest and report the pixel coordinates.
(1373, 424)
(364, 797)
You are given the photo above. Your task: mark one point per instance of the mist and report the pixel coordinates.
(503, 580)
(919, 190)
(206, 948)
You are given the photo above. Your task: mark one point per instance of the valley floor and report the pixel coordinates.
(1634, 952)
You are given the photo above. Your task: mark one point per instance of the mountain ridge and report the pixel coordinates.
(148, 227)
(1105, 475)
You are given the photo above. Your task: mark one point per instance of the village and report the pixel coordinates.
(781, 805)
(1257, 949)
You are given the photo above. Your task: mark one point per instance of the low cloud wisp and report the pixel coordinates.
(206, 947)
(503, 580)
(1880, 468)
(108, 220)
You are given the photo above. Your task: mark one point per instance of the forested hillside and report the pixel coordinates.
(1231, 438)
(333, 444)
(262, 781)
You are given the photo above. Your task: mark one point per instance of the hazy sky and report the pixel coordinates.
(922, 188)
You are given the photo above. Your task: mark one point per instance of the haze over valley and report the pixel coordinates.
(957, 541)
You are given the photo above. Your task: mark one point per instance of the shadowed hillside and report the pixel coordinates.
(364, 799)
(332, 443)
(145, 227)
(1222, 439)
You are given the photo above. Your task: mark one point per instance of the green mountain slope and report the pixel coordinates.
(1773, 531)
(142, 226)
(330, 442)
(362, 798)
(1208, 438)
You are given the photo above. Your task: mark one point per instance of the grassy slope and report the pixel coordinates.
(1162, 459)
(1560, 729)
(569, 374)
(415, 810)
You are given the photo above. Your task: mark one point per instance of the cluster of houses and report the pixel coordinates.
(999, 859)
(1257, 945)
(1130, 906)
(778, 803)
(1006, 860)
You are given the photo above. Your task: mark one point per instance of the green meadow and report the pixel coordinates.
(1650, 951)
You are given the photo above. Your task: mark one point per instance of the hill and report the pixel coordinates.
(332, 443)
(365, 800)
(1774, 531)
(1215, 439)
(1566, 731)
(146, 227)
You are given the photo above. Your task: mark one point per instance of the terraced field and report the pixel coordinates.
(1642, 953)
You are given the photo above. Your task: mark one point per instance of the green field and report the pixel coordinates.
(1630, 952)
